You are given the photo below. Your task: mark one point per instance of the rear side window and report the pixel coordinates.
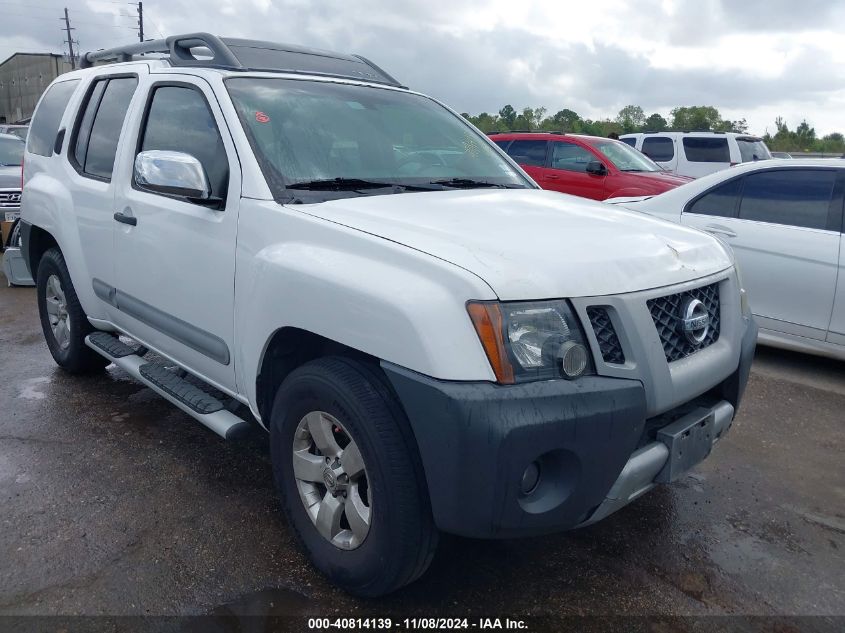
(707, 150)
(570, 157)
(659, 148)
(45, 124)
(797, 197)
(719, 201)
(531, 153)
(99, 129)
(179, 120)
(751, 149)
(629, 141)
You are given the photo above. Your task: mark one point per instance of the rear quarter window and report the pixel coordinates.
(707, 150)
(48, 116)
(659, 148)
(751, 149)
(629, 141)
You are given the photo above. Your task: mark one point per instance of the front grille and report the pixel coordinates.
(611, 349)
(10, 200)
(666, 313)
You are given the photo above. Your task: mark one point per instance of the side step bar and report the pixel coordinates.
(188, 397)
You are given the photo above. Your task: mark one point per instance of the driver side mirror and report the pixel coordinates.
(596, 167)
(174, 174)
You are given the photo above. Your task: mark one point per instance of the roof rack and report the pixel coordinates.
(240, 54)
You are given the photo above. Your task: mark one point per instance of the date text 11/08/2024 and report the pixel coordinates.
(388, 624)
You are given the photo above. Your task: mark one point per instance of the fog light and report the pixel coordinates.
(573, 359)
(530, 478)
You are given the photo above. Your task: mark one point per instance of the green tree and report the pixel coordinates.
(655, 123)
(631, 118)
(565, 120)
(508, 115)
(696, 118)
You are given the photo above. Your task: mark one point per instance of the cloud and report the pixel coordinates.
(750, 58)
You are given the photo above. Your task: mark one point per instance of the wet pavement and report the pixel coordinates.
(115, 502)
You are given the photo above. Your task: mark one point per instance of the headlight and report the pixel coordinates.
(531, 340)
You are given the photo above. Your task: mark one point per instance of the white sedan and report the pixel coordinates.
(784, 221)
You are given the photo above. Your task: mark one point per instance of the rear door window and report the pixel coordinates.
(721, 201)
(751, 149)
(48, 117)
(795, 197)
(99, 131)
(528, 152)
(707, 150)
(659, 148)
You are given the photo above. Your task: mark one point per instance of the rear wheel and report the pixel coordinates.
(350, 478)
(63, 320)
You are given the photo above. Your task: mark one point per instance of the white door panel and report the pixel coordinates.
(789, 272)
(837, 320)
(175, 268)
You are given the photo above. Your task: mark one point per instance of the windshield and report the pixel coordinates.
(751, 149)
(11, 152)
(625, 157)
(318, 140)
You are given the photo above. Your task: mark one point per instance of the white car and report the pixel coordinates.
(432, 341)
(697, 154)
(783, 219)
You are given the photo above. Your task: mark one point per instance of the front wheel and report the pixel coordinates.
(350, 478)
(63, 320)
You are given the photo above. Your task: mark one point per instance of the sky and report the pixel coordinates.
(757, 59)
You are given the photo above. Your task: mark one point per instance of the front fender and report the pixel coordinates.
(368, 293)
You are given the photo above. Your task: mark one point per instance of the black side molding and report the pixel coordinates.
(189, 335)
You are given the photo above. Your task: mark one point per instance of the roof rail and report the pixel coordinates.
(240, 54)
(528, 132)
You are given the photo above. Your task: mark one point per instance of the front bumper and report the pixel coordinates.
(592, 438)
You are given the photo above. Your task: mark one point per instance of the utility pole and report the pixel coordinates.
(69, 39)
(140, 6)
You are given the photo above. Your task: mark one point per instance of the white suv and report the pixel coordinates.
(697, 154)
(274, 234)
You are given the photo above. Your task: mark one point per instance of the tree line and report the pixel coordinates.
(632, 118)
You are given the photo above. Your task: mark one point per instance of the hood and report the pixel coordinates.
(661, 179)
(535, 244)
(10, 177)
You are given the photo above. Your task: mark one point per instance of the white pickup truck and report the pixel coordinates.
(268, 234)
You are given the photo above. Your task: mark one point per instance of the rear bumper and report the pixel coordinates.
(595, 447)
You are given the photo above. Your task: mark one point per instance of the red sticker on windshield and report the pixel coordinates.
(261, 117)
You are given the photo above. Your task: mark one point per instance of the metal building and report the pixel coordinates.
(23, 77)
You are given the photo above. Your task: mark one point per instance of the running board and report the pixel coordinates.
(201, 406)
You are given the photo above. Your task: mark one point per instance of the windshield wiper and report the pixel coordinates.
(340, 184)
(469, 183)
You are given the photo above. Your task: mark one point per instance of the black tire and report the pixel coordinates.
(76, 357)
(402, 537)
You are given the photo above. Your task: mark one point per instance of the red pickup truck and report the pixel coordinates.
(587, 166)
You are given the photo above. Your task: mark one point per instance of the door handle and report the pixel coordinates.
(131, 220)
(552, 177)
(718, 229)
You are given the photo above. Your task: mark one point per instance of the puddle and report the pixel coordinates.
(29, 389)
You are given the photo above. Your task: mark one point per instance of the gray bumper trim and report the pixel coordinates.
(645, 464)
